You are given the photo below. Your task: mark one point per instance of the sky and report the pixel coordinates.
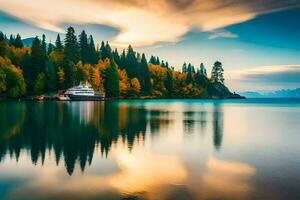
(257, 41)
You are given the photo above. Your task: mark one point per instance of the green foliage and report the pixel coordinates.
(169, 83)
(37, 61)
(71, 50)
(18, 42)
(217, 73)
(92, 54)
(58, 44)
(125, 75)
(51, 79)
(14, 83)
(71, 56)
(39, 84)
(84, 47)
(145, 76)
(2, 80)
(111, 82)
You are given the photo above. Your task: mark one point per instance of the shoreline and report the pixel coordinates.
(111, 99)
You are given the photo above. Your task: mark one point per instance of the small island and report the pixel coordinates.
(44, 69)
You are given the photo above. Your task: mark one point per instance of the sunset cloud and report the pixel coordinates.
(266, 77)
(142, 22)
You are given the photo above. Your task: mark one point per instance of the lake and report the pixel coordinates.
(150, 149)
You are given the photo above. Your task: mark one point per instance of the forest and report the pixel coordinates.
(44, 68)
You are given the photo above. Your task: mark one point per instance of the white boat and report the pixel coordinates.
(83, 92)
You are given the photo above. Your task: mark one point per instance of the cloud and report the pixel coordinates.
(270, 74)
(265, 78)
(222, 34)
(142, 22)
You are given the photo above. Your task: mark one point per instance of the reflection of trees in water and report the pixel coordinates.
(190, 118)
(73, 130)
(188, 121)
(217, 126)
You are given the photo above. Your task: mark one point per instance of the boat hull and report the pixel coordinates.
(86, 98)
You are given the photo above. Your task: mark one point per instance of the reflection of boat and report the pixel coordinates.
(84, 93)
(63, 98)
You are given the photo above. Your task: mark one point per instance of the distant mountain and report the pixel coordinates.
(28, 41)
(251, 94)
(276, 94)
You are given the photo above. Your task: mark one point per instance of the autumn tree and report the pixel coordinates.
(14, 82)
(124, 85)
(135, 87)
(60, 77)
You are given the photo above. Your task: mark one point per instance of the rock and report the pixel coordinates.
(220, 91)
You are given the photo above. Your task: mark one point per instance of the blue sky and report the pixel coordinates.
(258, 42)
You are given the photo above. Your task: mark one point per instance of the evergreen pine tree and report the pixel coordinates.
(71, 56)
(184, 68)
(202, 70)
(111, 82)
(189, 77)
(36, 60)
(122, 60)
(18, 42)
(169, 83)
(84, 47)
(217, 73)
(116, 57)
(157, 62)
(201, 76)
(58, 44)
(131, 65)
(145, 76)
(2, 38)
(11, 40)
(152, 60)
(50, 48)
(93, 57)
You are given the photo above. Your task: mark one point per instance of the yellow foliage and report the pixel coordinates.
(123, 82)
(135, 86)
(102, 66)
(18, 53)
(158, 77)
(96, 80)
(61, 76)
(14, 80)
(57, 57)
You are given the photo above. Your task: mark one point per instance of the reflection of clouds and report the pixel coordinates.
(227, 179)
(144, 170)
(138, 171)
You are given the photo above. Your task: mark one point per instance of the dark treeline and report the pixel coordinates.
(72, 133)
(44, 68)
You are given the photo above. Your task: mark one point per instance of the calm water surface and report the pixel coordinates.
(157, 150)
